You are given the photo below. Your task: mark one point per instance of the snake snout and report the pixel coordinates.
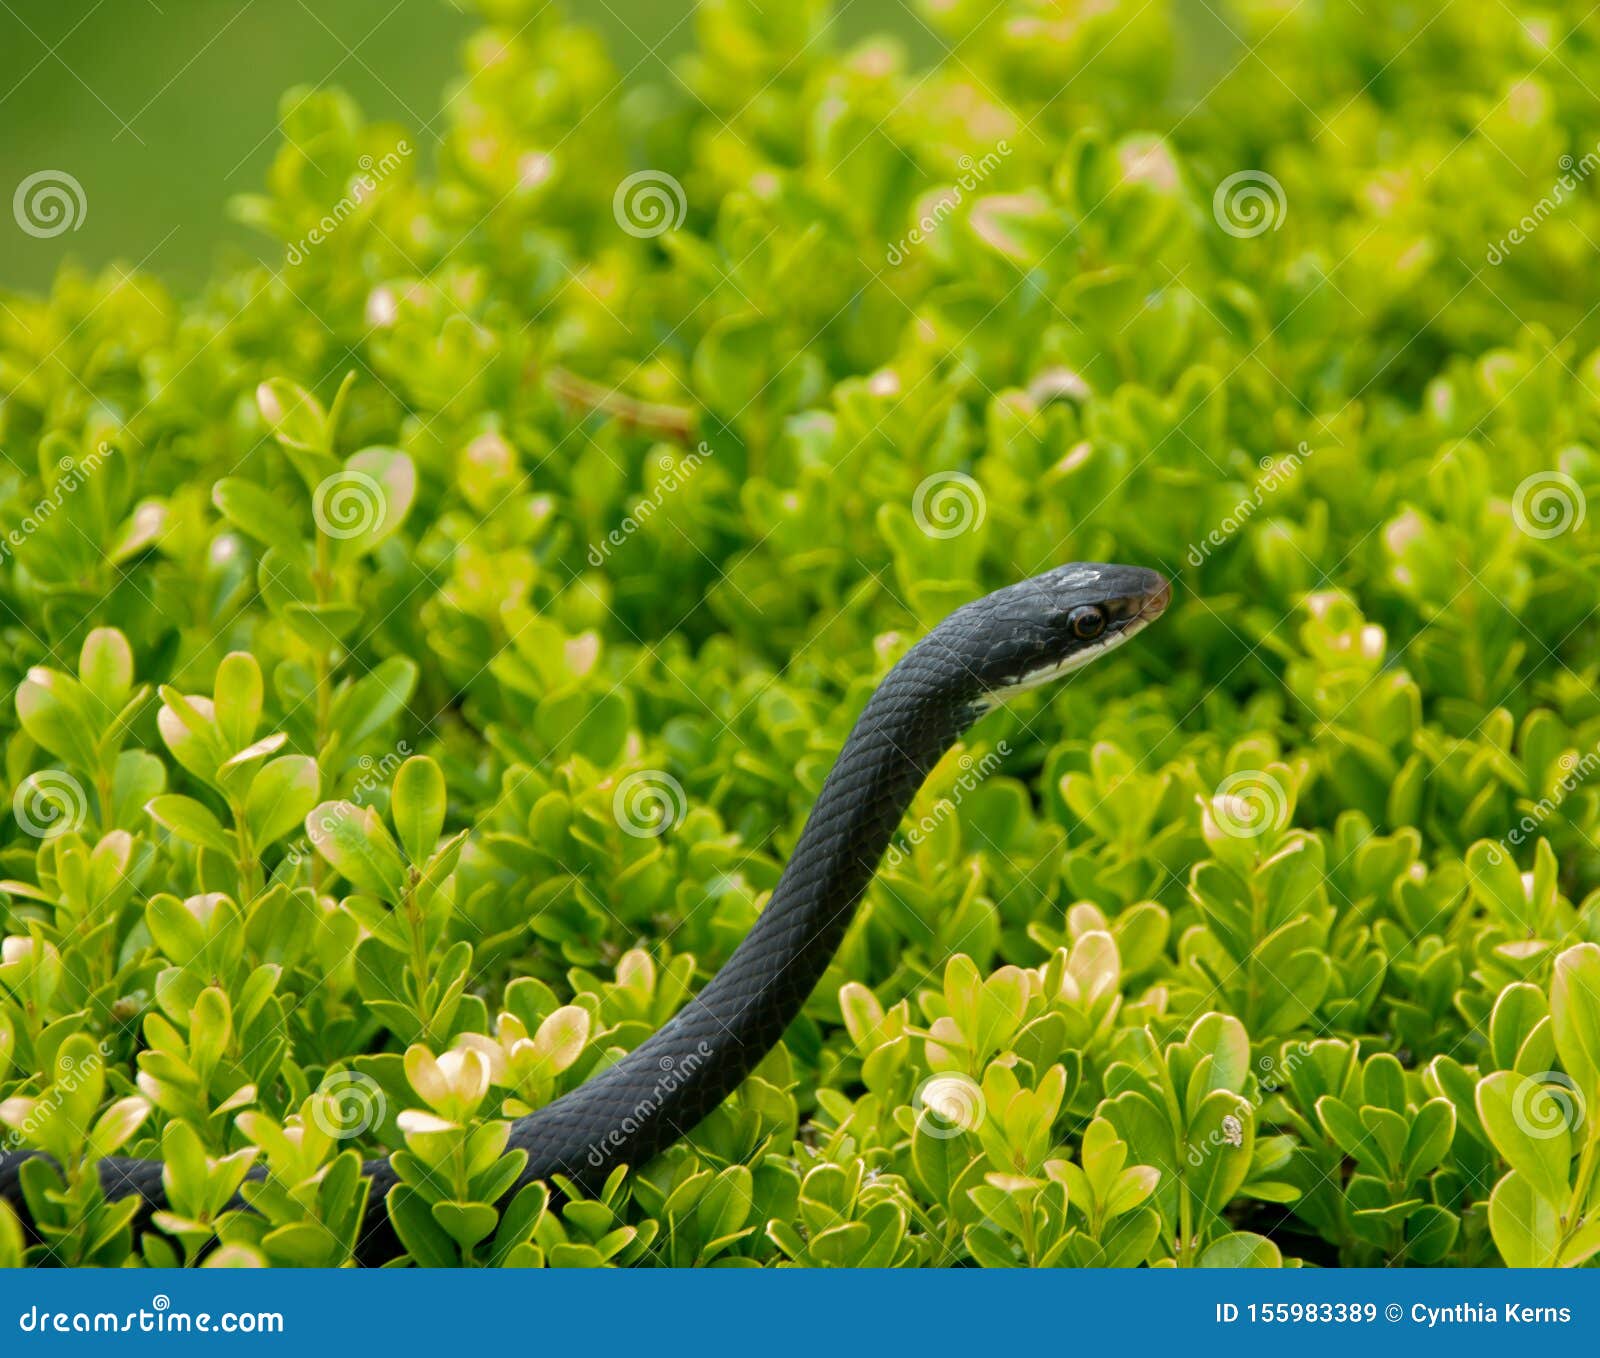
(1157, 598)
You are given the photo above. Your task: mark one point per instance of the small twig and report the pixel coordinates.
(650, 416)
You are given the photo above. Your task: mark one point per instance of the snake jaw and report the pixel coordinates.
(1060, 669)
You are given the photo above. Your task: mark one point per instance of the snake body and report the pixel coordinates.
(1013, 639)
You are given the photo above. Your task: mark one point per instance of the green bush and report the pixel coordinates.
(425, 651)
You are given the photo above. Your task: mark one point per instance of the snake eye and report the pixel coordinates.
(1086, 622)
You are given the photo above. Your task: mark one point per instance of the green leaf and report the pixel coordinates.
(425, 1240)
(116, 1127)
(1529, 1129)
(1221, 1138)
(417, 804)
(1428, 1141)
(465, 1222)
(562, 1036)
(1575, 1013)
(365, 503)
(105, 667)
(281, 795)
(353, 839)
(1023, 227)
(1525, 1225)
(192, 822)
(1430, 1232)
(253, 510)
(295, 417)
(236, 700)
(1241, 1249)
(1498, 885)
(62, 715)
(363, 708)
(186, 725)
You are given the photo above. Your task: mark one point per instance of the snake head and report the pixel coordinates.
(1045, 628)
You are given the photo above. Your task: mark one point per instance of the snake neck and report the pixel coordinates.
(664, 1087)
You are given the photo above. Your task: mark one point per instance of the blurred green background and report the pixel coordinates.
(164, 109)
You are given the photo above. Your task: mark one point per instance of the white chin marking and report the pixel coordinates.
(1047, 674)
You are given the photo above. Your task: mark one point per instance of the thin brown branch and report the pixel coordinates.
(652, 417)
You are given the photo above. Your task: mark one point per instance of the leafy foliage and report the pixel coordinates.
(344, 603)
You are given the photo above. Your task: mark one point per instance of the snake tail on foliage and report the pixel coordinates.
(1014, 639)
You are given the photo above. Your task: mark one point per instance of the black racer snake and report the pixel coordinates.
(1014, 639)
